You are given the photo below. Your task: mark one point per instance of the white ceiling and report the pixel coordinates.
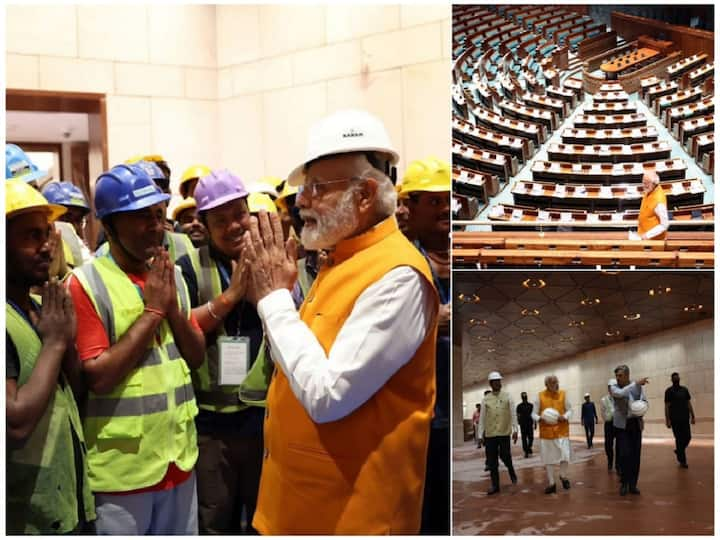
(55, 127)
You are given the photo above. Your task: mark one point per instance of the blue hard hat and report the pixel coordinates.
(151, 169)
(65, 194)
(125, 188)
(19, 167)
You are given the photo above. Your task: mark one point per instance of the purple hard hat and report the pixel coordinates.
(218, 188)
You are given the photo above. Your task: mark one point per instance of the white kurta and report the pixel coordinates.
(554, 451)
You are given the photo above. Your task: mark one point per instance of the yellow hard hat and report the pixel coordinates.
(274, 181)
(429, 174)
(184, 205)
(287, 191)
(260, 201)
(191, 173)
(261, 186)
(21, 197)
(151, 157)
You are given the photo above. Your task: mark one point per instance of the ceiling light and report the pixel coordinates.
(526, 331)
(491, 350)
(693, 307)
(659, 291)
(589, 301)
(485, 338)
(631, 316)
(612, 333)
(566, 339)
(576, 324)
(530, 312)
(477, 322)
(532, 283)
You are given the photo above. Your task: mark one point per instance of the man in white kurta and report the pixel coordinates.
(554, 438)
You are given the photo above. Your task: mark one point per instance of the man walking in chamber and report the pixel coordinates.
(553, 416)
(526, 422)
(679, 414)
(607, 406)
(497, 422)
(589, 418)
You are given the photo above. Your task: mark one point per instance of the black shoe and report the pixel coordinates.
(527, 455)
(684, 465)
(634, 491)
(513, 478)
(550, 489)
(493, 490)
(487, 468)
(565, 483)
(610, 467)
(530, 451)
(623, 490)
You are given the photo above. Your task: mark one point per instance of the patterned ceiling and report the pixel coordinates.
(513, 326)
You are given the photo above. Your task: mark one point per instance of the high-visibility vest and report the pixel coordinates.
(147, 421)
(73, 245)
(210, 395)
(363, 473)
(556, 400)
(177, 244)
(41, 491)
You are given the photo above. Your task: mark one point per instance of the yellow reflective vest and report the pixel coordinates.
(147, 421)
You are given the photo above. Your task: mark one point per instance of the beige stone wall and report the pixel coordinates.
(687, 349)
(238, 86)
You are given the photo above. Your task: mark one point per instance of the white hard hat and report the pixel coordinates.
(587, 394)
(612, 382)
(344, 131)
(550, 415)
(494, 376)
(638, 407)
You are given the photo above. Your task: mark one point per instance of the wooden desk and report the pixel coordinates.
(610, 108)
(536, 132)
(606, 173)
(609, 153)
(673, 115)
(610, 122)
(611, 97)
(609, 136)
(627, 61)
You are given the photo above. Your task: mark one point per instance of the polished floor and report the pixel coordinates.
(672, 500)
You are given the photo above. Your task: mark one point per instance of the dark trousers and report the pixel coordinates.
(526, 432)
(436, 499)
(498, 447)
(589, 432)
(629, 446)
(610, 441)
(681, 432)
(228, 478)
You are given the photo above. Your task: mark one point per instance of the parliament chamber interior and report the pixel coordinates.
(558, 111)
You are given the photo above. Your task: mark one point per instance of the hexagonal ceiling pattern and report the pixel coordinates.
(514, 319)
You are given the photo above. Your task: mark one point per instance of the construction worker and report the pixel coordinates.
(229, 430)
(425, 191)
(189, 179)
(47, 482)
(162, 181)
(71, 223)
(177, 244)
(186, 216)
(351, 399)
(138, 344)
(257, 201)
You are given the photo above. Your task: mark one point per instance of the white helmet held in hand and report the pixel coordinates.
(345, 131)
(550, 415)
(638, 408)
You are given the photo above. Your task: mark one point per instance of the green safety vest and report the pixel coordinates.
(72, 244)
(210, 395)
(41, 476)
(147, 421)
(177, 244)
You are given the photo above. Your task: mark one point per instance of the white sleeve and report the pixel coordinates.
(662, 214)
(568, 409)
(389, 321)
(623, 392)
(513, 416)
(536, 410)
(481, 421)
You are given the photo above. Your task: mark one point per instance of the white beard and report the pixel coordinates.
(335, 225)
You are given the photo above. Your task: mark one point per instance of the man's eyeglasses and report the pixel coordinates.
(317, 189)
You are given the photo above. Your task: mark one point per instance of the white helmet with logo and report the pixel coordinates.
(550, 415)
(612, 382)
(345, 131)
(638, 407)
(494, 376)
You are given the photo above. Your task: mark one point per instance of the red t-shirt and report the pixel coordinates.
(93, 341)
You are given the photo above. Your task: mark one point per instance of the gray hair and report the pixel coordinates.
(652, 176)
(550, 377)
(623, 368)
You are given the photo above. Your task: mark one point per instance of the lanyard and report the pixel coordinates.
(444, 296)
(225, 277)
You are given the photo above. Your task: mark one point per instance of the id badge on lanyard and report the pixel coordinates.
(234, 359)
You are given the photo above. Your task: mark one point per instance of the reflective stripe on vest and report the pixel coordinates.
(41, 476)
(147, 421)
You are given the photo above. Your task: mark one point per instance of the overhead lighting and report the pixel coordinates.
(659, 291)
(484, 338)
(693, 307)
(491, 350)
(566, 339)
(612, 333)
(576, 324)
(631, 316)
(590, 301)
(532, 283)
(527, 331)
(530, 312)
(477, 322)
(469, 298)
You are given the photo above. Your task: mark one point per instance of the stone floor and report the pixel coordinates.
(673, 501)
